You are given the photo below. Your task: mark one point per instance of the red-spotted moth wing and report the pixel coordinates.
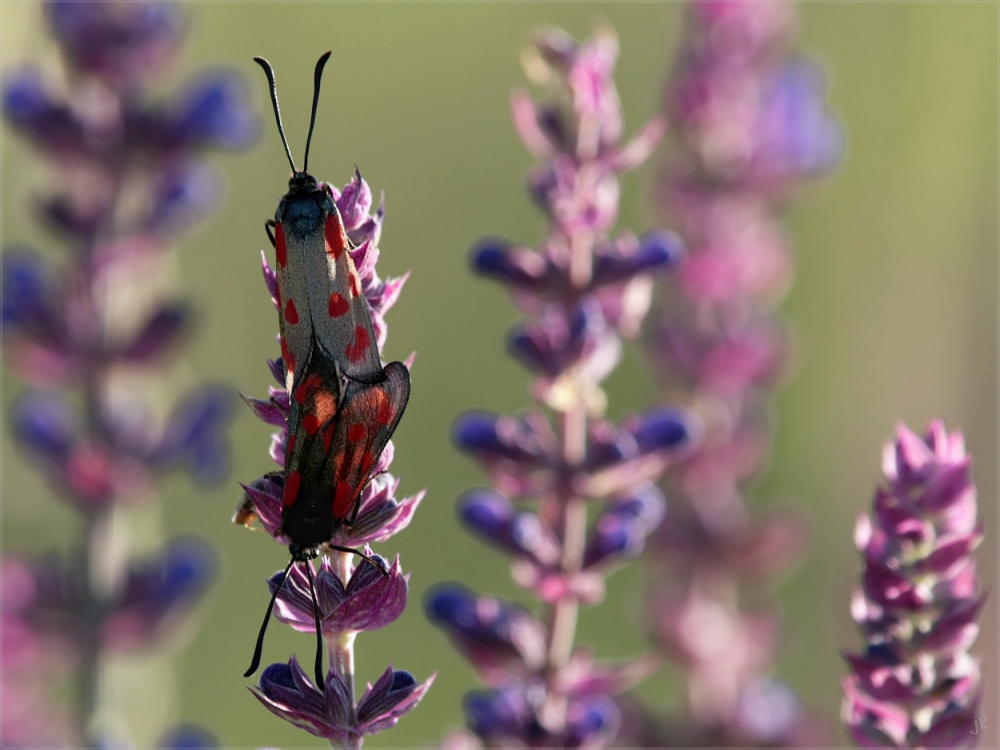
(337, 430)
(322, 302)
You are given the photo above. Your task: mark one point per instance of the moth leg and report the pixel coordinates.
(363, 556)
(268, 226)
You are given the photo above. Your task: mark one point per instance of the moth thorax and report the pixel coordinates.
(304, 213)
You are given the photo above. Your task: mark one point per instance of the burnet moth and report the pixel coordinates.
(321, 303)
(344, 405)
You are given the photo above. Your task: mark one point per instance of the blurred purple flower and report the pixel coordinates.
(583, 290)
(749, 122)
(131, 176)
(915, 684)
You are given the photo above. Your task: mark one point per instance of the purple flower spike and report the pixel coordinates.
(583, 288)
(128, 174)
(916, 685)
(746, 128)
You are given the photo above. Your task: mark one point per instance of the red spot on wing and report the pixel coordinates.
(342, 500)
(368, 461)
(290, 446)
(310, 423)
(338, 305)
(286, 355)
(280, 250)
(357, 432)
(386, 414)
(334, 235)
(355, 284)
(292, 483)
(291, 314)
(307, 387)
(356, 351)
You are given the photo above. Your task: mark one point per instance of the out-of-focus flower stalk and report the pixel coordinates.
(129, 178)
(352, 596)
(582, 289)
(749, 123)
(915, 685)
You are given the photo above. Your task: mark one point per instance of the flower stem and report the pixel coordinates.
(340, 648)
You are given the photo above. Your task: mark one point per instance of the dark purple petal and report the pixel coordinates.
(26, 99)
(286, 691)
(502, 717)
(799, 135)
(957, 727)
(381, 515)
(277, 368)
(493, 517)
(392, 695)
(556, 341)
(214, 112)
(119, 42)
(956, 628)
(607, 445)
(37, 116)
(195, 437)
(158, 592)
(657, 251)
(355, 202)
(186, 737)
(262, 499)
(591, 722)
(870, 722)
(661, 429)
(372, 600)
(46, 425)
(165, 329)
(267, 411)
(495, 636)
(493, 437)
(621, 529)
(497, 259)
(28, 290)
(185, 193)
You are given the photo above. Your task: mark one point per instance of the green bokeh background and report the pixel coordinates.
(894, 309)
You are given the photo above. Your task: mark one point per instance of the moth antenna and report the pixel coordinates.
(317, 77)
(320, 682)
(269, 72)
(255, 662)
